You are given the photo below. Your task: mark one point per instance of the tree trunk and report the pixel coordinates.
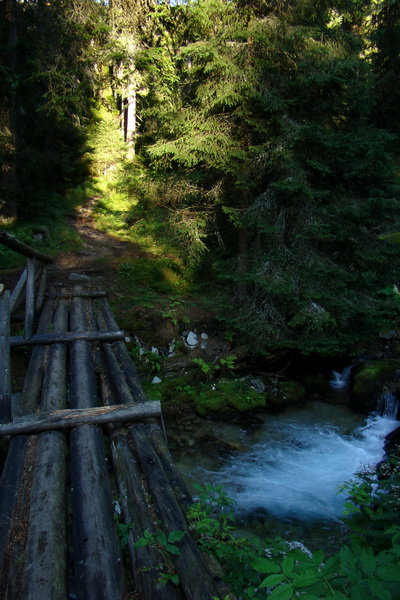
(130, 121)
(242, 251)
(8, 172)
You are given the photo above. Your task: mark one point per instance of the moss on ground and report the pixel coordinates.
(218, 397)
(371, 375)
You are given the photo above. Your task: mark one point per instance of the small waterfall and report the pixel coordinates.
(340, 381)
(301, 460)
(388, 404)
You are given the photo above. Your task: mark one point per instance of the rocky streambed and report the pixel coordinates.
(281, 446)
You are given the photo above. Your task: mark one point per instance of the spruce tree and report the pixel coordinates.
(273, 120)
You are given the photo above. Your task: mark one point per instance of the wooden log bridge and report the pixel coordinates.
(87, 464)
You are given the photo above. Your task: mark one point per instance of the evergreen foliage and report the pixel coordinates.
(277, 113)
(268, 131)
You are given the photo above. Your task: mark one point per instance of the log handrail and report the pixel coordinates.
(32, 277)
(6, 239)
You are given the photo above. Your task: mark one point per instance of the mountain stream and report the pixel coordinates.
(286, 474)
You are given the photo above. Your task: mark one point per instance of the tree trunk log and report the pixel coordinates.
(57, 338)
(99, 573)
(63, 419)
(146, 562)
(14, 244)
(45, 565)
(30, 299)
(19, 288)
(195, 578)
(5, 366)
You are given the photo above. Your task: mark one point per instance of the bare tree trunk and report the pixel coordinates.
(130, 120)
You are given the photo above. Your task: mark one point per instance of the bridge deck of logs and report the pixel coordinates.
(87, 465)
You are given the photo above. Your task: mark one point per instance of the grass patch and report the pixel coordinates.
(48, 231)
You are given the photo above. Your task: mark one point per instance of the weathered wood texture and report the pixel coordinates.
(30, 298)
(98, 564)
(46, 573)
(5, 366)
(69, 336)
(57, 491)
(64, 419)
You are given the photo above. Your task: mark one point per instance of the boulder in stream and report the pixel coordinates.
(370, 379)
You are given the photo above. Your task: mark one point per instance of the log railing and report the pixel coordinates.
(31, 284)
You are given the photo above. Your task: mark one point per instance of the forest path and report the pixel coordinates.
(100, 254)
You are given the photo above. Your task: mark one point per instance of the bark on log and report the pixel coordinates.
(196, 579)
(46, 551)
(19, 288)
(9, 487)
(34, 376)
(5, 366)
(69, 336)
(135, 510)
(106, 320)
(30, 299)
(63, 419)
(82, 294)
(99, 573)
(14, 244)
(175, 479)
(54, 393)
(83, 384)
(42, 287)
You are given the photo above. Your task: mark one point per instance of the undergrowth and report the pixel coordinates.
(274, 569)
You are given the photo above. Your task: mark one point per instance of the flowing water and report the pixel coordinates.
(286, 478)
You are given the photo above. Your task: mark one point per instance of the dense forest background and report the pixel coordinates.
(261, 137)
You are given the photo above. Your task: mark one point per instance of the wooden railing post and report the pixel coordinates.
(5, 363)
(30, 298)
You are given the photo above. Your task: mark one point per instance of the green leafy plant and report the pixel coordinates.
(152, 360)
(167, 545)
(205, 367)
(188, 389)
(272, 570)
(210, 370)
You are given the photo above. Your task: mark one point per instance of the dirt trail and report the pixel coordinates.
(99, 255)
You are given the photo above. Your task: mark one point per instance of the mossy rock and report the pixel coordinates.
(249, 401)
(371, 376)
(211, 402)
(287, 393)
(175, 392)
(232, 394)
(314, 384)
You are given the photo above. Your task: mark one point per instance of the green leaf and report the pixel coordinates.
(388, 573)
(306, 579)
(161, 538)
(263, 565)
(173, 549)
(348, 561)
(367, 561)
(282, 592)
(378, 590)
(272, 580)
(175, 536)
(141, 543)
(175, 578)
(318, 557)
(358, 592)
(332, 565)
(287, 565)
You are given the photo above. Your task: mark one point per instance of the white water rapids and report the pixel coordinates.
(301, 459)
